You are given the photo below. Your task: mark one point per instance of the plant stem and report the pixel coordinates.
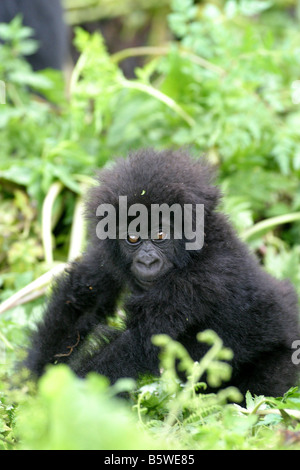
(37, 284)
(164, 50)
(52, 194)
(268, 224)
(77, 232)
(149, 90)
(138, 51)
(6, 342)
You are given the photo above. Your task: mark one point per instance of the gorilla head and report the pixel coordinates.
(155, 211)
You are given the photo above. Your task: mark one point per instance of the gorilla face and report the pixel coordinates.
(148, 259)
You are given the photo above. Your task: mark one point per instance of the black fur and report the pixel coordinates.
(45, 17)
(220, 287)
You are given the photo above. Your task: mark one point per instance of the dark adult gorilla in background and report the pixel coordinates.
(169, 289)
(45, 17)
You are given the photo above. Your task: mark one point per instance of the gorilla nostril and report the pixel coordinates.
(148, 267)
(151, 262)
(148, 261)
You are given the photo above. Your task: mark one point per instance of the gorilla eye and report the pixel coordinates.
(160, 236)
(133, 239)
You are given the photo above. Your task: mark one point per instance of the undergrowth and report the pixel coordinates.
(63, 412)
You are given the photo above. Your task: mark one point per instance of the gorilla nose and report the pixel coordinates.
(149, 261)
(148, 266)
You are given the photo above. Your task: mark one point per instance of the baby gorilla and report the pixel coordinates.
(168, 287)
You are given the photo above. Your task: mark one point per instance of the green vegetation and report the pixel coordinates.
(227, 87)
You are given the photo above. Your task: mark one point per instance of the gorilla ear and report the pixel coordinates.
(201, 188)
(211, 196)
(208, 195)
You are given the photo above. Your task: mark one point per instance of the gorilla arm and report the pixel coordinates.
(133, 354)
(81, 297)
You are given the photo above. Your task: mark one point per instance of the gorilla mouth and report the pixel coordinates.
(145, 283)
